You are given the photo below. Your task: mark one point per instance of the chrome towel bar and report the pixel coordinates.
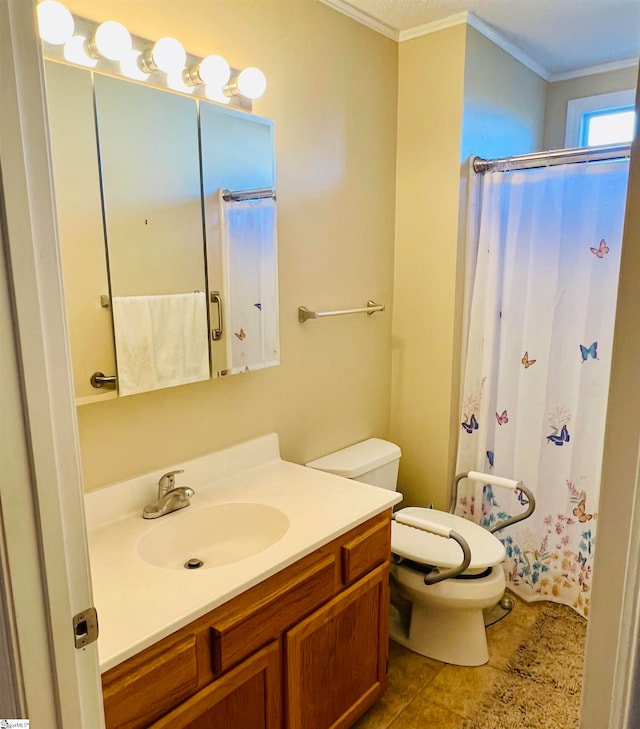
(370, 308)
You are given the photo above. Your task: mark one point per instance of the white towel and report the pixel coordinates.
(161, 341)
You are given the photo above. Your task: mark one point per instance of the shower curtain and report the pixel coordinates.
(251, 271)
(538, 357)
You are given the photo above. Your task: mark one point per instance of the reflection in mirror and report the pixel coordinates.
(249, 266)
(150, 170)
(164, 279)
(78, 208)
(237, 156)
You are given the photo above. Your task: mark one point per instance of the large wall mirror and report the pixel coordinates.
(181, 191)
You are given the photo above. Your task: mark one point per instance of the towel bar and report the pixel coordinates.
(370, 308)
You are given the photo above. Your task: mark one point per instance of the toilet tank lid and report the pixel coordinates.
(359, 458)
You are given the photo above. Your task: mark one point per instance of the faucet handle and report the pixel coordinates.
(167, 481)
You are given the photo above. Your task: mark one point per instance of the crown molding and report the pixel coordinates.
(420, 30)
(346, 9)
(433, 27)
(491, 33)
(591, 70)
(511, 48)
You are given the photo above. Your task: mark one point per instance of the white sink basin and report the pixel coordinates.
(213, 535)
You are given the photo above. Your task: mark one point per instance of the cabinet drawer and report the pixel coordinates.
(366, 550)
(248, 697)
(263, 617)
(135, 695)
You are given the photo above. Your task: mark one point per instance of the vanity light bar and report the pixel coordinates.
(109, 48)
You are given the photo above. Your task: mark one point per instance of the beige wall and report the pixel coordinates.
(504, 102)
(560, 93)
(459, 94)
(332, 94)
(430, 105)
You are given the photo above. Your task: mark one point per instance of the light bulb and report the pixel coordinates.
(130, 68)
(214, 71)
(252, 83)
(55, 22)
(167, 55)
(75, 52)
(111, 40)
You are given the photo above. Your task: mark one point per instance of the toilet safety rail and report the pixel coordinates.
(433, 528)
(425, 525)
(500, 481)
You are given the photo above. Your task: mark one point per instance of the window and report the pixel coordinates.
(609, 126)
(601, 119)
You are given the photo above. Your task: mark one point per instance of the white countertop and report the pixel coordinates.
(138, 603)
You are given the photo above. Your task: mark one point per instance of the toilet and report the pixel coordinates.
(443, 620)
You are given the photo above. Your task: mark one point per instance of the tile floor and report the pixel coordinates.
(433, 695)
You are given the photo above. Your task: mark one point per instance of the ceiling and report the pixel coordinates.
(558, 36)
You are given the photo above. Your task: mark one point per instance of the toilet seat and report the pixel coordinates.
(414, 544)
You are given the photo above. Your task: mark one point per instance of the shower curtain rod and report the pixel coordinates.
(553, 157)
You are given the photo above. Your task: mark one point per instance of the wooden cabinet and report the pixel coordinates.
(167, 676)
(337, 657)
(248, 697)
(305, 649)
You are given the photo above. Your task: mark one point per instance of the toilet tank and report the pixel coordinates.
(372, 461)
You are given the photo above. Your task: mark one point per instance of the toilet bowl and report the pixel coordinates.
(444, 618)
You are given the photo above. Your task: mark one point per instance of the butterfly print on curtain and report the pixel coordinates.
(586, 351)
(601, 250)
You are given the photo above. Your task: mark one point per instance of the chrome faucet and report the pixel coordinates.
(170, 497)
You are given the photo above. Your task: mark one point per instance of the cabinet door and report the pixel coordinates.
(74, 157)
(248, 697)
(336, 659)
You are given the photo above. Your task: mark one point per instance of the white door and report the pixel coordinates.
(44, 568)
(611, 689)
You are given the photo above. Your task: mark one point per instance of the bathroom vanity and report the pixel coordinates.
(294, 635)
(308, 645)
